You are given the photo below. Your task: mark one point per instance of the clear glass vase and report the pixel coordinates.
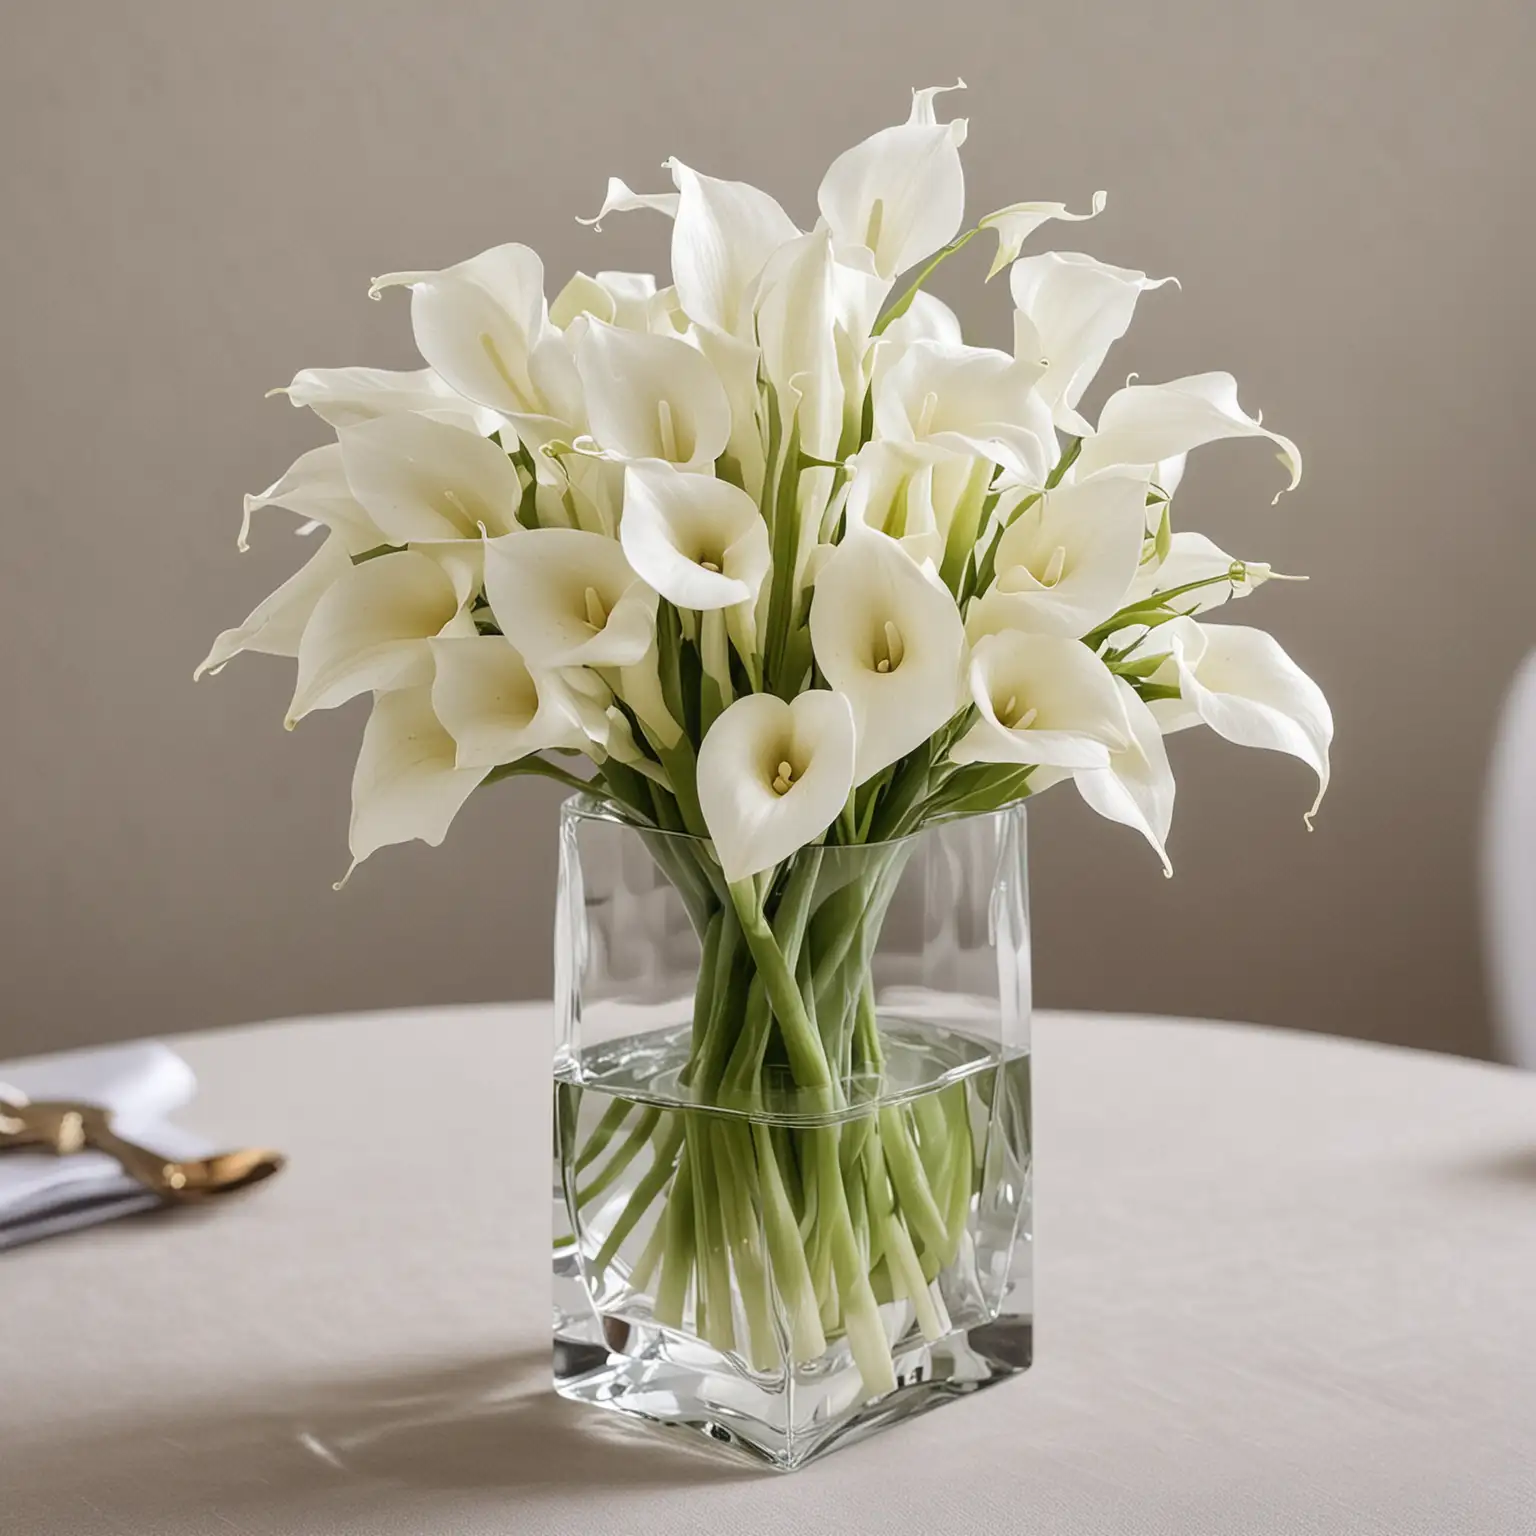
(792, 1134)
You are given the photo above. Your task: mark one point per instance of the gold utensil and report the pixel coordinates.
(64, 1127)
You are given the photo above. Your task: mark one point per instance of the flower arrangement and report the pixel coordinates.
(791, 566)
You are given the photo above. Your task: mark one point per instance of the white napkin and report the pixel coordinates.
(40, 1194)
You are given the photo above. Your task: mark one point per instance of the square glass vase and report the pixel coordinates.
(792, 1162)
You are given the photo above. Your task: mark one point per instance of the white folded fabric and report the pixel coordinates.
(140, 1084)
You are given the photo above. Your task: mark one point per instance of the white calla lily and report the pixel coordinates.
(797, 329)
(887, 635)
(1042, 699)
(1137, 787)
(1014, 225)
(407, 784)
(343, 397)
(621, 198)
(1194, 558)
(276, 625)
(652, 397)
(1146, 423)
(496, 710)
(891, 491)
(700, 542)
(1240, 682)
(483, 326)
(315, 487)
(724, 233)
(566, 598)
(369, 631)
(1068, 562)
(773, 776)
(972, 400)
(423, 479)
(901, 193)
(1077, 308)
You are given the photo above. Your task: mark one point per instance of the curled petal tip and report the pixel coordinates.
(341, 885)
(282, 389)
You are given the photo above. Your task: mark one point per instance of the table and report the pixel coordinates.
(1287, 1284)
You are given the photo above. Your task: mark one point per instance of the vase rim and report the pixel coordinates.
(588, 806)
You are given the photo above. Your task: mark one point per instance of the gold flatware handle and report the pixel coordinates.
(64, 1128)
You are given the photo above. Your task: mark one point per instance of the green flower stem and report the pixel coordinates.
(627, 1151)
(910, 1180)
(651, 1184)
(792, 1273)
(807, 1059)
(714, 1310)
(603, 1133)
(677, 1221)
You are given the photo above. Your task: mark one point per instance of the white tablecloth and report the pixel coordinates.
(1286, 1285)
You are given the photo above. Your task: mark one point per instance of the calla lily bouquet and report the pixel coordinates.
(791, 565)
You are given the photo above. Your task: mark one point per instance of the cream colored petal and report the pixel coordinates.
(901, 193)
(566, 598)
(315, 487)
(797, 329)
(406, 785)
(1137, 787)
(1042, 699)
(421, 479)
(754, 825)
(1146, 423)
(724, 234)
(478, 324)
(1193, 557)
(1245, 687)
(621, 199)
(343, 397)
(700, 542)
(1077, 309)
(1018, 221)
(369, 631)
(1068, 562)
(277, 624)
(495, 709)
(887, 635)
(652, 397)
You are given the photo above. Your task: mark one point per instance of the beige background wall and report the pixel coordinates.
(194, 197)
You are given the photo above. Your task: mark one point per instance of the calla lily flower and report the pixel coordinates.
(972, 400)
(652, 397)
(496, 710)
(315, 487)
(422, 479)
(276, 625)
(566, 598)
(407, 784)
(483, 326)
(369, 631)
(1077, 308)
(1018, 221)
(343, 397)
(887, 635)
(1240, 682)
(1137, 787)
(1145, 423)
(773, 776)
(621, 198)
(1193, 557)
(901, 193)
(1042, 699)
(891, 491)
(723, 236)
(629, 300)
(798, 330)
(700, 542)
(1067, 563)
